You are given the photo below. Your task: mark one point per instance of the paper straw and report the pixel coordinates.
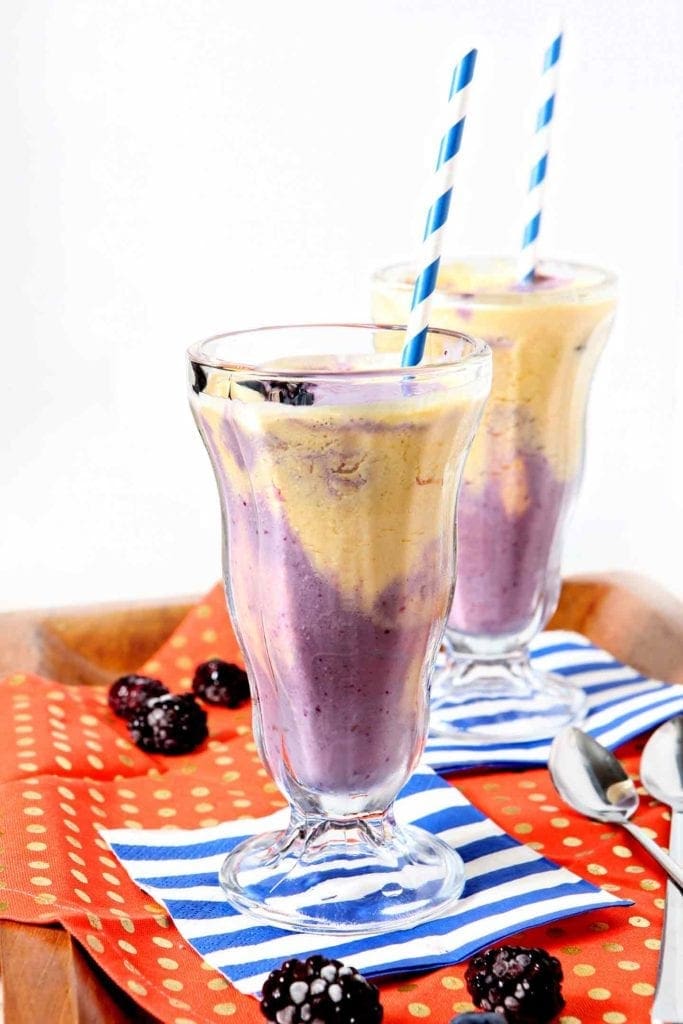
(539, 163)
(432, 243)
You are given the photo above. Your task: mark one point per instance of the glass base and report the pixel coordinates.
(505, 700)
(340, 877)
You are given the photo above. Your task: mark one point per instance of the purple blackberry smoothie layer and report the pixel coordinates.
(343, 702)
(505, 560)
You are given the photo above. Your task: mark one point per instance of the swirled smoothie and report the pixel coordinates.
(343, 508)
(525, 464)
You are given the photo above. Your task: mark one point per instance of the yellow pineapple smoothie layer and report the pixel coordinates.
(370, 472)
(545, 343)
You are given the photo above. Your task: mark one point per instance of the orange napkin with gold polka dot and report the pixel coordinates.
(68, 770)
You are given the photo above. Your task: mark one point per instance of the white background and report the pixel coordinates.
(173, 168)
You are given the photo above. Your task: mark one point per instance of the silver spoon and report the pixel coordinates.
(661, 770)
(592, 780)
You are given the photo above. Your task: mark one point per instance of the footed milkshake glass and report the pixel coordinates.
(337, 473)
(520, 481)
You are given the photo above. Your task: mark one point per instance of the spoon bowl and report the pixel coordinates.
(661, 766)
(590, 778)
(661, 770)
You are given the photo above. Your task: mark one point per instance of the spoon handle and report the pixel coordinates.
(674, 870)
(668, 1003)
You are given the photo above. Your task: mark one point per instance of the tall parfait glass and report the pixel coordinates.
(520, 482)
(337, 474)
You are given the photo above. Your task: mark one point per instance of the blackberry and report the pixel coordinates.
(283, 391)
(291, 394)
(173, 724)
(319, 991)
(220, 682)
(127, 694)
(523, 985)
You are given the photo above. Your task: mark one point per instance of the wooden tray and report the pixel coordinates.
(46, 975)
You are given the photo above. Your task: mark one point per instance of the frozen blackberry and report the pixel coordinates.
(291, 394)
(320, 990)
(128, 693)
(220, 682)
(283, 391)
(523, 985)
(173, 724)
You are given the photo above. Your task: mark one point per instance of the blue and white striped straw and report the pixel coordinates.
(539, 164)
(432, 244)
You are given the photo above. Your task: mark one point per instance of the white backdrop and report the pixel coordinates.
(173, 168)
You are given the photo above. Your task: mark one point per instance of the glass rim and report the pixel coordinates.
(479, 354)
(603, 282)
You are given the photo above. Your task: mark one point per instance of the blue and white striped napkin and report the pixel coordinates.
(621, 704)
(508, 887)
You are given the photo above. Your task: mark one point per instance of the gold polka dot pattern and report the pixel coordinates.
(70, 770)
